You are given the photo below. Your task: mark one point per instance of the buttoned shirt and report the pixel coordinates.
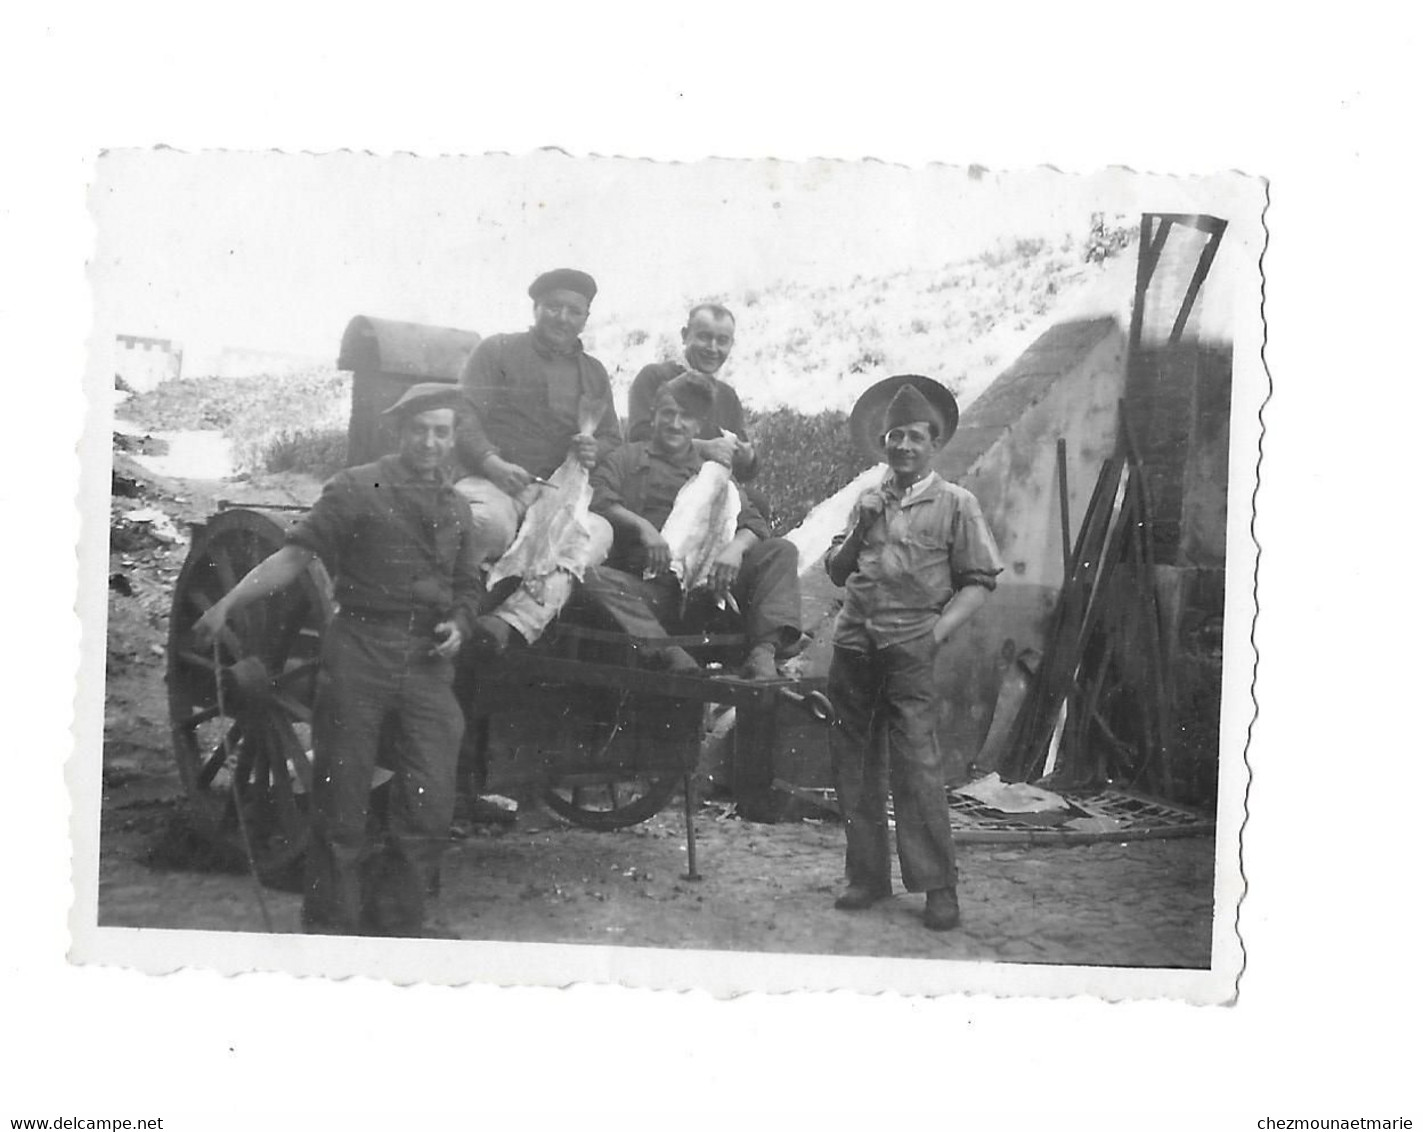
(395, 543)
(528, 402)
(645, 481)
(726, 412)
(928, 543)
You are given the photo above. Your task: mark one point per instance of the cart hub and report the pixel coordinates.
(247, 682)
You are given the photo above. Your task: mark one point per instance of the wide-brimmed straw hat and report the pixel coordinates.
(867, 417)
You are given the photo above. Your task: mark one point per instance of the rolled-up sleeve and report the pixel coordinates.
(974, 560)
(325, 529)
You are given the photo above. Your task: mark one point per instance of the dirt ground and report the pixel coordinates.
(763, 887)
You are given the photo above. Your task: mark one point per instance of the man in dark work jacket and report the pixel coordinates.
(538, 397)
(399, 544)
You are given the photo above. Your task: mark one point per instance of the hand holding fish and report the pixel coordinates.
(721, 450)
(585, 450)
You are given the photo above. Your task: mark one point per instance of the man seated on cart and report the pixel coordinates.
(635, 489)
(540, 401)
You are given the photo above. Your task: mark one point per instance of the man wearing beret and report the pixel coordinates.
(537, 397)
(707, 340)
(399, 544)
(635, 488)
(917, 561)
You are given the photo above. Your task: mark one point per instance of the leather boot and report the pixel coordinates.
(761, 663)
(677, 661)
(941, 909)
(858, 897)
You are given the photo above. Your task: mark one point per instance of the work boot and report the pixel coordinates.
(761, 663)
(492, 636)
(941, 909)
(858, 897)
(678, 661)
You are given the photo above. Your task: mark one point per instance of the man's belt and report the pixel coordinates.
(415, 620)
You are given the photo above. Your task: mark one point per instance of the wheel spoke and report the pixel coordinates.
(282, 621)
(281, 787)
(220, 557)
(218, 758)
(292, 707)
(200, 717)
(203, 603)
(291, 674)
(296, 757)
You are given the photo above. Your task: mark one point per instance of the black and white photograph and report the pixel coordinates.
(747, 566)
(772, 559)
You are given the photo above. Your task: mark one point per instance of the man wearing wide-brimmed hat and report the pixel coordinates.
(538, 397)
(917, 560)
(399, 544)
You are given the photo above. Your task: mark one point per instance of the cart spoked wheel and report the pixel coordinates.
(241, 713)
(598, 792)
(610, 799)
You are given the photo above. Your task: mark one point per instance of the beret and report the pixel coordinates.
(426, 395)
(564, 279)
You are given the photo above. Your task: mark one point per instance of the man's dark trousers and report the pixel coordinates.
(765, 591)
(375, 672)
(885, 703)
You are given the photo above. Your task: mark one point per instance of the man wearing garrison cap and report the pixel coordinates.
(917, 560)
(635, 488)
(399, 544)
(537, 397)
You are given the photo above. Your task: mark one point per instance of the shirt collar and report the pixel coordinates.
(916, 492)
(544, 352)
(395, 470)
(690, 460)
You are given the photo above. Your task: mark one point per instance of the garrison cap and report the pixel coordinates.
(426, 395)
(564, 279)
(884, 404)
(693, 393)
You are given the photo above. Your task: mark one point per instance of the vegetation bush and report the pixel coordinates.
(319, 452)
(276, 422)
(804, 458)
(1105, 241)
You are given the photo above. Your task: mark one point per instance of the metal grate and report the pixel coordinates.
(1103, 815)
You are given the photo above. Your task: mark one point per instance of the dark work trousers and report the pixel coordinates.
(767, 591)
(379, 677)
(885, 702)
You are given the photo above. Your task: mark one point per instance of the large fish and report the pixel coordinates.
(554, 531)
(701, 525)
